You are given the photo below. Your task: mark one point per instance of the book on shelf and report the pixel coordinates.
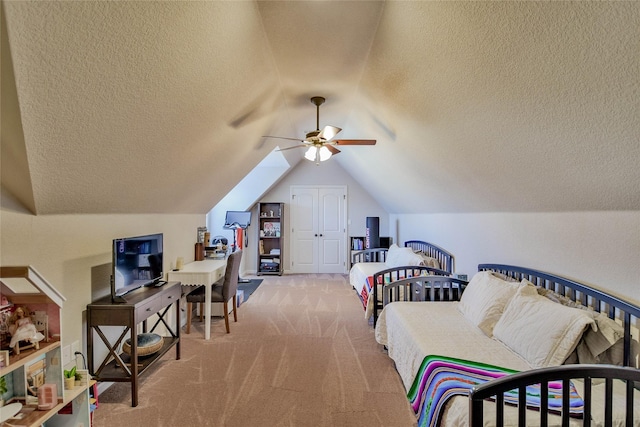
(269, 266)
(357, 243)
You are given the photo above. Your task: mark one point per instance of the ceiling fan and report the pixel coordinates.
(320, 143)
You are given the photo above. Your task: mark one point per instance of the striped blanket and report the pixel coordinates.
(441, 378)
(368, 292)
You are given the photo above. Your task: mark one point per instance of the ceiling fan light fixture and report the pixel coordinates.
(317, 154)
(324, 153)
(311, 153)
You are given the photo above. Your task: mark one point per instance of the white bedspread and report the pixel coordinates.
(413, 330)
(410, 332)
(360, 271)
(358, 278)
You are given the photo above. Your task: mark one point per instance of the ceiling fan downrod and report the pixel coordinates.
(317, 101)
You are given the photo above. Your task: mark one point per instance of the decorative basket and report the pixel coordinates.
(148, 344)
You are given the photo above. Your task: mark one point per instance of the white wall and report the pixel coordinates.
(72, 251)
(601, 249)
(360, 204)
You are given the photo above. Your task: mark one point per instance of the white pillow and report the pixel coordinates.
(485, 298)
(596, 341)
(608, 334)
(393, 253)
(543, 332)
(399, 257)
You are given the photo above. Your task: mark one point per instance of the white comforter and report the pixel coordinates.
(358, 276)
(413, 330)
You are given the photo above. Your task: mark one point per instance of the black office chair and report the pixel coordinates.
(222, 291)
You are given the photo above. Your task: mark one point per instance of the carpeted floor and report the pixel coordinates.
(301, 354)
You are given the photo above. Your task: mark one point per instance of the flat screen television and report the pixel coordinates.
(237, 219)
(137, 262)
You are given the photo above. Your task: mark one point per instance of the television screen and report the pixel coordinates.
(237, 219)
(137, 261)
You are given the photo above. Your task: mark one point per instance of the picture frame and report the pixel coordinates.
(272, 229)
(4, 358)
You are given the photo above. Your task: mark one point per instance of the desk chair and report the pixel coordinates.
(222, 291)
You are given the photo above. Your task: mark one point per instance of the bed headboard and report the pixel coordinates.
(622, 311)
(445, 258)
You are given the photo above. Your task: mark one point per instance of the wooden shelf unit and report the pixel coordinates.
(270, 238)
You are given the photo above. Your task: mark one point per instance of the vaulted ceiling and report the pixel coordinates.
(153, 107)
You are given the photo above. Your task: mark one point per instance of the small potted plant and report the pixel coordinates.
(69, 378)
(78, 378)
(3, 389)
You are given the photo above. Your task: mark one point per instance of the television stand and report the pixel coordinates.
(117, 366)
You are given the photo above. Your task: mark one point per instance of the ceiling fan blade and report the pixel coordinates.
(328, 132)
(295, 146)
(331, 148)
(355, 141)
(283, 137)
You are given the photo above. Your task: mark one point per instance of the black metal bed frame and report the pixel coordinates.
(444, 257)
(446, 288)
(615, 308)
(565, 373)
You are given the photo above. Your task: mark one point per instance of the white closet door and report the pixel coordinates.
(304, 229)
(331, 227)
(318, 229)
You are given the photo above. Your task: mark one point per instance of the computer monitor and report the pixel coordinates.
(237, 219)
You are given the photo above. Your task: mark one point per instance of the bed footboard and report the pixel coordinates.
(495, 389)
(369, 255)
(424, 288)
(398, 273)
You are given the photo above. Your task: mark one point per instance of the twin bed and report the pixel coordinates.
(382, 265)
(517, 338)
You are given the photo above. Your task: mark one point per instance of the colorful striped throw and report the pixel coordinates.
(441, 378)
(367, 289)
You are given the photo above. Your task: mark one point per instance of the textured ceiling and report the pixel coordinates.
(151, 107)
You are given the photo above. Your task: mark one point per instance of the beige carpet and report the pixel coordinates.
(301, 354)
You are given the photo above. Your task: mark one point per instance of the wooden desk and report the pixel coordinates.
(139, 306)
(201, 273)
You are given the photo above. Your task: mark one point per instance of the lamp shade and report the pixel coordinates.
(315, 154)
(311, 153)
(324, 153)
